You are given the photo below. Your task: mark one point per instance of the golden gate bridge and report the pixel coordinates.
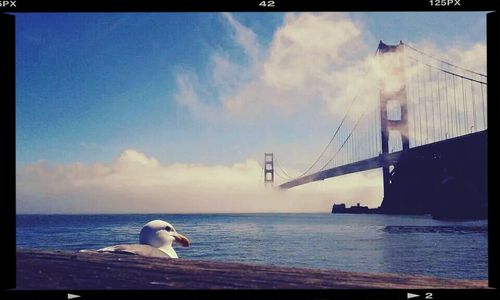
(428, 110)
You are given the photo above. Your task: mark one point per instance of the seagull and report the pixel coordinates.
(155, 240)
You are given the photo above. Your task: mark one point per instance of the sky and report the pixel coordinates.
(172, 112)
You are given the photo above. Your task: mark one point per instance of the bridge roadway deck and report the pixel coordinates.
(390, 159)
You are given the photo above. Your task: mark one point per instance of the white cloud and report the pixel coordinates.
(136, 183)
(307, 47)
(245, 37)
(315, 62)
(300, 67)
(188, 97)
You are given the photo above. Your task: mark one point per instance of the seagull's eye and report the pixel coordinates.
(168, 228)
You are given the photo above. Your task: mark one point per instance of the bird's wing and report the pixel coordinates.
(135, 249)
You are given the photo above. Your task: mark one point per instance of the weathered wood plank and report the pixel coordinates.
(37, 269)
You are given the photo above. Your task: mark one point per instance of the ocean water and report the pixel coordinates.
(361, 243)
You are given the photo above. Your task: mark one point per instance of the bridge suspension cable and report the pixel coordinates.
(441, 60)
(453, 97)
(281, 169)
(336, 133)
(345, 141)
(332, 139)
(451, 73)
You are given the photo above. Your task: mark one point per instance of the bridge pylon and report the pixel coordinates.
(398, 97)
(269, 169)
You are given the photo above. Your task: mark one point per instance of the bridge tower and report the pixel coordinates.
(398, 98)
(268, 168)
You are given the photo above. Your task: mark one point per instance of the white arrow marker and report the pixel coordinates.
(410, 295)
(71, 296)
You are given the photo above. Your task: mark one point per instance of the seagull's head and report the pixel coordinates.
(159, 234)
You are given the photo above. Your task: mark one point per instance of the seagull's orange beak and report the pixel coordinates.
(179, 238)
